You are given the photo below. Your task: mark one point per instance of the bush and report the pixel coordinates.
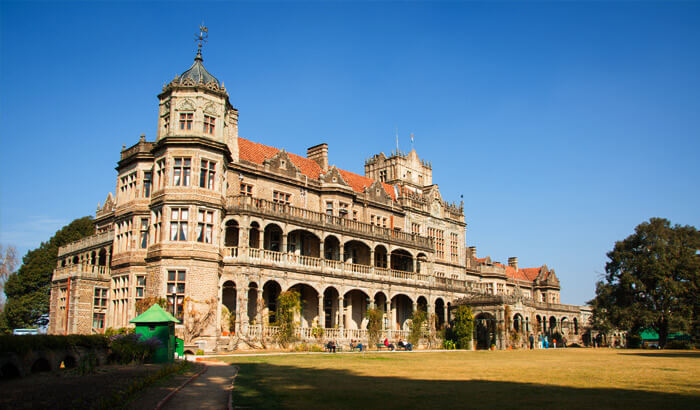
(419, 318)
(288, 305)
(199, 352)
(678, 345)
(131, 348)
(26, 343)
(374, 325)
(448, 344)
(463, 326)
(634, 341)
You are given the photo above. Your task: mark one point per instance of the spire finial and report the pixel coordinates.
(201, 38)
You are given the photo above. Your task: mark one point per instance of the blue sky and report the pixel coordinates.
(563, 124)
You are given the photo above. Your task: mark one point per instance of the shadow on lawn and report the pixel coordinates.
(263, 385)
(675, 355)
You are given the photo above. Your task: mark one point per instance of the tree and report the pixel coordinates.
(417, 322)
(8, 263)
(651, 281)
(463, 326)
(28, 290)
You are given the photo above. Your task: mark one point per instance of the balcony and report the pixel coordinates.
(262, 207)
(93, 241)
(326, 266)
(84, 271)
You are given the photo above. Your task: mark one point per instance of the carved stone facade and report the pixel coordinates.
(207, 220)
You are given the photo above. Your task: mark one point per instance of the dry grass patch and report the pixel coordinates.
(564, 378)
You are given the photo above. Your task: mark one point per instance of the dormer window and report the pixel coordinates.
(186, 120)
(209, 124)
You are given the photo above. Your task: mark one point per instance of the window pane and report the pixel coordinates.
(183, 232)
(184, 214)
(180, 288)
(181, 275)
(173, 231)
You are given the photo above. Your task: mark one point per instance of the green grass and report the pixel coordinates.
(561, 379)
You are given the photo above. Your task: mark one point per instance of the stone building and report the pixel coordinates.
(206, 219)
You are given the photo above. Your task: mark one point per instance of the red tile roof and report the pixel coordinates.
(257, 153)
(526, 274)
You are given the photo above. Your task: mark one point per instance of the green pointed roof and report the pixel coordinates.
(154, 314)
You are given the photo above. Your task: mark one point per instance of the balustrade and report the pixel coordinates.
(100, 272)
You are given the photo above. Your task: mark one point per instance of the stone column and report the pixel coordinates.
(392, 325)
(413, 264)
(321, 313)
(321, 250)
(242, 311)
(446, 315)
(283, 246)
(341, 312)
(260, 306)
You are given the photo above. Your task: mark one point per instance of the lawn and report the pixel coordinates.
(548, 380)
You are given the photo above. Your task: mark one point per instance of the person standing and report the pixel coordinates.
(532, 341)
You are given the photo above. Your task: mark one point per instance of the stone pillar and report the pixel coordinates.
(321, 313)
(321, 250)
(242, 311)
(446, 315)
(413, 264)
(371, 257)
(341, 312)
(415, 307)
(283, 246)
(260, 306)
(392, 325)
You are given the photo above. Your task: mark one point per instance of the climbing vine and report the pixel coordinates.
(288, 306)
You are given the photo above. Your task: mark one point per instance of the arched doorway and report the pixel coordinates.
(271, 291)
(330, 307)
(518, 323)
(228, 299)
(357, 253)
(380, 257)
(401, 260)
(253, 304)
(439, 313)
(303, 243)
(356, 303)
(331, 248)
(232, 233)
(272, 240)
(308, 297)
(421, 262)
(552, 325)
(254, 235)
(402, 307)
(485, 330)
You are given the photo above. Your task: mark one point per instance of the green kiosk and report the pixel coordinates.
(156, 322)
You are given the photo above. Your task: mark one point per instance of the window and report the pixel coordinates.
(355, 215)
(384, 222)
(382, 175)
(207, 173)
(147, 182)
(123, 235)
(415, 228)
(186, 120)
(371, 219)
(181, 172)
(438, 237)
(176, 292)
(160, 172)
(144, 233)
(500, 288)
(157, 224)
(100, 300)
(209, 124)
(246, 189)
(489, 288)
(454, 247)
(140, 286)
(98, 320)
(205, 226)
(343, 210)
(329, 208)
(281, 197)
(166, 122)
(178, 224)
(127, 186)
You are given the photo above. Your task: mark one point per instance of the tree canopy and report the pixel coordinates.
(652, 281)
(28, 290)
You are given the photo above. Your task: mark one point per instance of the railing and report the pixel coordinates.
(308, 334)
(100, 239)
(265, 207)
(264, 256)
(82, 270)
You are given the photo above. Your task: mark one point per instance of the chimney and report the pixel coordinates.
(319, 154)
(472, 251)
(513, 262)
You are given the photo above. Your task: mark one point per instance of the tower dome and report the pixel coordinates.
(197, 74)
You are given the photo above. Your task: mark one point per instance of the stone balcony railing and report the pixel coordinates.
(501, 299)
(83, 271)
(93, 241)
(306, 333)
(335, 268)
(323, 221)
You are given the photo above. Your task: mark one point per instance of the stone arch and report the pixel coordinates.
(401, 259)
(254, 235)
(518, 323)
(357, 252)
(421, 259)
(93, 258)
(485, 330)
(330, 306)
(308, 295)
(41, 364)
(381, 256)
(356, 301)
(271, 291)
(564, 325)
(9, 371)
(380, 300)
(253, 312)
(439, 313)
(231, 235)
(272, 237)
(229, 298)
(303, 242)
(422, 303)
(76, 260)
(575, 326)
(552, 325)
(331, 248)
(402, 310)
(102, 257)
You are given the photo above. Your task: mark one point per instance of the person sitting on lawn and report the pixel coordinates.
(331, 346)
(360, 346)
(390, 346)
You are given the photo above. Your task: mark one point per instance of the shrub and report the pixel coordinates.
(87, 364)
(419, 318)
(130, 348)
(374, 325)
(199, 352)
(634, 341)
(678, 345)
(26, 343)
(448, 344)
(288, 305)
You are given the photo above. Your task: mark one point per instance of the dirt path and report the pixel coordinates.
(208, 391)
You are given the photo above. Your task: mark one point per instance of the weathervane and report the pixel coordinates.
(201, 37)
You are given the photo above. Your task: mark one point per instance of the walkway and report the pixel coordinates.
(208, 391)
